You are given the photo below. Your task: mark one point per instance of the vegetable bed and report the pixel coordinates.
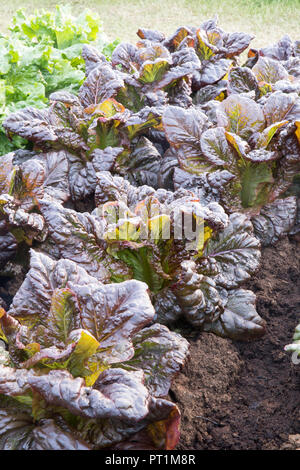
(151, 223)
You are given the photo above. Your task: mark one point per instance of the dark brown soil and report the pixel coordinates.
(235, 395)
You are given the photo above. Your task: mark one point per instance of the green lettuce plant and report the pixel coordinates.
(42, 54)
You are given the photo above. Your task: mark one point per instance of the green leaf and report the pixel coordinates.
(267, 135)
(153, 71)
(61, 314)
(143, 269)
(256, 181)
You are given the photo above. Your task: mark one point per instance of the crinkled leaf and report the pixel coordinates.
(32, 124)
(242, 80)
(113, 313)
(92, 58)
(144, 119)
(211, 92)
(15, 429)
(150, 35)
(48, 436)
(117, 394)
(25, 226)
(236, 252)
(282, 50)
(240, 320)
(275, 220)
(13, 382)
(19, 432)
(183, 127)
(258, 156)
(144, 164)
(126, 55)
(104, 160)
(213, 71)
(55, 182)
(102, 83)
(78, 236)
(33, 299)
(82, 177)
(161, 354)
(269, 70)
(185, 62)
(236, 43)
(216, 149)
(281, 107)
(240, 115)
(8, 247)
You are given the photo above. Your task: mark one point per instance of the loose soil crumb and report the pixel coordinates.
(236, 395)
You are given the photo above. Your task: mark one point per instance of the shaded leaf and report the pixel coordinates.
(236, 252)
(240, 320)
(275, 220)
(161, 354)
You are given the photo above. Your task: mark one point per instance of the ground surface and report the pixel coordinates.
(268, 20)
(235, 395)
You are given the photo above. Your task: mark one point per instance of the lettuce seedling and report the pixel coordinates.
(295, 346)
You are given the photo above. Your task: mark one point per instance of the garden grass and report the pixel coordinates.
(268, 20)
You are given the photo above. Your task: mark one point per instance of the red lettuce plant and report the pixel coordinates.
(82, 366)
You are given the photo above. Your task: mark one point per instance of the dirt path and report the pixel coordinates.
(247, 395)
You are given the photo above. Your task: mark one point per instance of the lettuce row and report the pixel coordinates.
(171, 128)
(148, 117)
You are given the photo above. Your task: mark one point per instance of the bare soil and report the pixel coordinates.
(236, 395)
